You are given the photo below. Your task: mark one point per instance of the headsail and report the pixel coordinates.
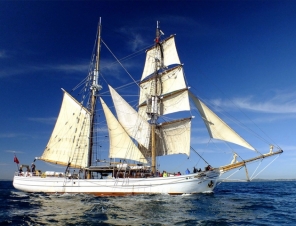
(135, 125)
(69, 140)
(121, 146)
(217, 128)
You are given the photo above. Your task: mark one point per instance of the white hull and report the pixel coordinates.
(184, 184)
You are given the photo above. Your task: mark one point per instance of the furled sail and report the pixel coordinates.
(217, 128)
(170, 56)
(69, 141)
(134, 124)
(121, 146)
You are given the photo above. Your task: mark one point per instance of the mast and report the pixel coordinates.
(95, 87)
(155, 100)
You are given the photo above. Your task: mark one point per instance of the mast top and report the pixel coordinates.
(95, 86)
(158, 33)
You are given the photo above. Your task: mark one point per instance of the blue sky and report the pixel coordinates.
(235, 53)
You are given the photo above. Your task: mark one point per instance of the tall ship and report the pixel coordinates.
(137, 135)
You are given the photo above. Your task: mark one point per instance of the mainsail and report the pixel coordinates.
(68, 143)
(217, 128)
(173, 137)
(121, 146)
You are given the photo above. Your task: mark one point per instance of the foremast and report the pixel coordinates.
(94, 89)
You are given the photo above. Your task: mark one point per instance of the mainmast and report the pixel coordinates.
(153, 111)
(95, 87)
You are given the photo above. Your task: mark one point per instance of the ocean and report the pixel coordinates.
(232, 203)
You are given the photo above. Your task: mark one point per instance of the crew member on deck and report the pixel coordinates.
(208, 168)
(194, 170)
(164, 174)
(33, 167)
(187, 171)
(20, 171)
(157, 174)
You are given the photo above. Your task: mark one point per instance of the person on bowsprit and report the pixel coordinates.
(271, 149)
(234, 160)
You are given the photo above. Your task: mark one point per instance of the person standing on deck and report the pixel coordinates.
(33, 167)
(187, 171)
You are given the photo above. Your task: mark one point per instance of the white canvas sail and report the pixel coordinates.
(134, 124)
(171, 81)
(170, 103)
(174, 94)
(217, 128)
(170, 56)
(121, 146)
(174, 138)
(69, 140)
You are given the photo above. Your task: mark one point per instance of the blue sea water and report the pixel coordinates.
(235, 203)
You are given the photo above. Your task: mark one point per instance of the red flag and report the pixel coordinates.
(16, 160)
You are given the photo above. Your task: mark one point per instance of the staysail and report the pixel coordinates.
(121, 146)
(217, 128)
(135, 125)
(69, 140)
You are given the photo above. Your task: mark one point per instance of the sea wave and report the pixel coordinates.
(254, 203)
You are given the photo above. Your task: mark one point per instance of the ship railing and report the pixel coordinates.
(38, 173)
(27, 174)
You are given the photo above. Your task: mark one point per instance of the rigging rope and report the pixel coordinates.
(256, 169)
(120, 64)
(266, 166)
(199, 155)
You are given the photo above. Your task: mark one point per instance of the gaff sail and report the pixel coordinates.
(69, 141)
